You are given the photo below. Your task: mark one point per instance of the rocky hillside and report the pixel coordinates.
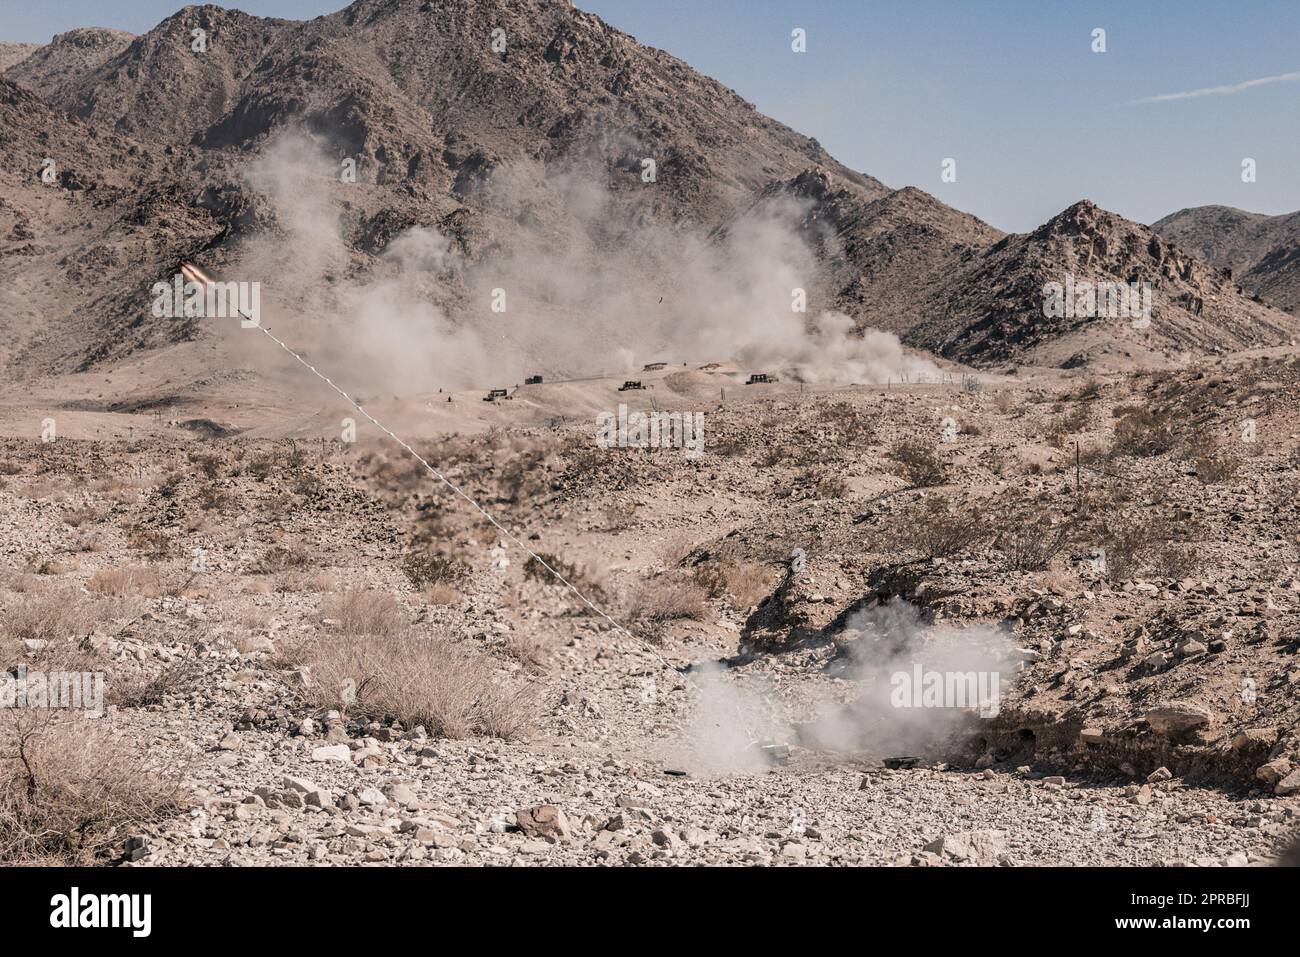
(992, 309)
(455, 112)
(951, 284)
(417, 90)
(66, 60)
(1263, 252)
(11, 53)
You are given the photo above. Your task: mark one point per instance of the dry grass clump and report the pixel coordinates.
(70, 792)
(744, 583)
(76, 517)
(440, 595)
(918, 463)
(53, 616)
(124, 581)
(360, 612)
(143, 690)
(373, 664)
(1216, 467)
(1214, 463)
(153, 543)
(668, 597)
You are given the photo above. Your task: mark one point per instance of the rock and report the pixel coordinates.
(1273, 772)
(663, 838)
(794, 852)
(401, 793)
(137, 847)
(1288, 785)
(695, 837)
(1178, 717)
(229, 742)
(974, 847)
(332, 752)
(1254, 737)
(301, 785)
(369, 757)
(545, 820)
(1158, 775)
(371, 797)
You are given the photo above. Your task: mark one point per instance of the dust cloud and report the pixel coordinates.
(574, 283)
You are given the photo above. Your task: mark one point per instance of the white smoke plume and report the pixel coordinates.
(731, 719)
(590, 286)
(906, 671)
(889, 643)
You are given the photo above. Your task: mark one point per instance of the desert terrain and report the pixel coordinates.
(350, 609)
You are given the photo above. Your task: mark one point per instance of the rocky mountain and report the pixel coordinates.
(992, 309)
(11, 53)
(66, 60)
(417, 90)
(946, 282)
(447, 107)
(1262, 251)
(878, 254)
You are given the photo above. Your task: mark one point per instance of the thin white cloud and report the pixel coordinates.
(1218, 90)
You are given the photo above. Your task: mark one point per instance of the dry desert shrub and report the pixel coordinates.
(575, 575)
(853, 427)
(209, 465)
(139, 690)
(280, 559)
(939, 527)
(918, 463)
(70, 791)
(824, 485)
(1143, 432)
(1216, 467)
(124, 581)
(1028, 533)
(76, 517)
(1005, 401)
(1144, 543)
(417, 678)
(56, 614)
(424, 570)
(261, 467)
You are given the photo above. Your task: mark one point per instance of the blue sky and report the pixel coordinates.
(1010, 89)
